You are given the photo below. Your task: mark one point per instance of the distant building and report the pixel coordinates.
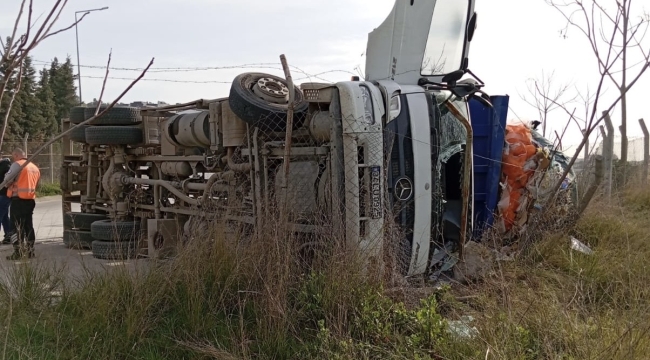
(147, 104)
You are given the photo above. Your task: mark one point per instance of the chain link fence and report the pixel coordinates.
(324, 181)
(635, 149)
(49, 161)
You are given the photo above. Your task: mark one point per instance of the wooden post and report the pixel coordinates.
(646, 151)
(608, 154)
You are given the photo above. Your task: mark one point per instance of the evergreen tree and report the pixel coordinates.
(13, 127)
(62, 84)
(31, 121)
(45, 96)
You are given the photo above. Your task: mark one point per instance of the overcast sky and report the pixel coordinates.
(515, 41)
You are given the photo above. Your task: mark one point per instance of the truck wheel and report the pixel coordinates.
(113, 135)
(77, 239)
(108, 230)
(111, 250)
(261, 100)
(81, 221)
(77, 114)
(119, 115)
(78, 134)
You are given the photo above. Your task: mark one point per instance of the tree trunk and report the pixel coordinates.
(626, 14)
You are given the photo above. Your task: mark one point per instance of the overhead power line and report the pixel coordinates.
(273, 66)
(161, 80)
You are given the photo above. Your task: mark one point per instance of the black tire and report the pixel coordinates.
(259, 112)
(110, 250)
(81, 221)
(78, 134)
(113, 135)
(108, 230)
(77, 239)
(77, 114)
(119, 115)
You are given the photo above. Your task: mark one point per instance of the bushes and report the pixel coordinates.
(48, 189)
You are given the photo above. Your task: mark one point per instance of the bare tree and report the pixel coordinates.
(630, 31)
(609, 43)
(16, 50)
(545, 96)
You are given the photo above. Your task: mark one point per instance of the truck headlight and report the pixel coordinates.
(394, 107)
(368, 113)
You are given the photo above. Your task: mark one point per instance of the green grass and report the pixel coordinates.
(47, 189)
(218, 301)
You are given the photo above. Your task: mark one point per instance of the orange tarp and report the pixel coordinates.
(516, 174)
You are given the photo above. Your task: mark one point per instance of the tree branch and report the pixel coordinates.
(12, 39)
(11, 102)
(61, 135)
(66, 28)
(592, 126)
(15, 52)
(101, 94)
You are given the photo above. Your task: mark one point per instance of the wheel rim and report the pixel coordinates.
(271, 90)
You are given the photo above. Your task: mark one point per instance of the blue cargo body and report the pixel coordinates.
(489, 135)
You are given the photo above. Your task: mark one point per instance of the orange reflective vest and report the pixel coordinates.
(24, 186)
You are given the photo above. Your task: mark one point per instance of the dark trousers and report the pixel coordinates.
(4, 215)
(21, 214)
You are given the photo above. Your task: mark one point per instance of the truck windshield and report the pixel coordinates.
(446, 40)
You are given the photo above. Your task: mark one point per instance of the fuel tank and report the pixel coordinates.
(189, 129)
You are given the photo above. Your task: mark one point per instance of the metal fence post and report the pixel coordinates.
(52, 163)
(646, 151)
(608, 154)
(25, 144)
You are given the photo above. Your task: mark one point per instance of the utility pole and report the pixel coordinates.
(76, 30)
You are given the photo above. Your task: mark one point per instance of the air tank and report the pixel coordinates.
(189, 129)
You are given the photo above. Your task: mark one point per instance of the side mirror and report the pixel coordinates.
(453, 77)
(483, 99)
(471, 27)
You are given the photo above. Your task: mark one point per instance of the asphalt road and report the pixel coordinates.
(50, 251)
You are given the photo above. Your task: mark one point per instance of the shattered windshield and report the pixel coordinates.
(445, 43)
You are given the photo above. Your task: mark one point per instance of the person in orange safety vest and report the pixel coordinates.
(22, 191)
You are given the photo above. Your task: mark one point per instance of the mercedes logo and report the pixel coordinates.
(403, 189)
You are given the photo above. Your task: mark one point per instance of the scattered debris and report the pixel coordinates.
(461, 327)
(443, 260)
(525, 162)
(579, 246)
(479, 260)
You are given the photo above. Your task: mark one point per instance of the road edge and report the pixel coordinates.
(48, 198)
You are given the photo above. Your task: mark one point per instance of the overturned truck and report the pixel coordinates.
(358, 158)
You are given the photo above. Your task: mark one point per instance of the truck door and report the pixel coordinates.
(420, 38)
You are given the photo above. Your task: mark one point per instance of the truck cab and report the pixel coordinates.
(383, 163)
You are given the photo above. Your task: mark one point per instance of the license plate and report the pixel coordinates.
(375, 191)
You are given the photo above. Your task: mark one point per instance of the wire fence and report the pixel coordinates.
(49, 162)
(635, 149)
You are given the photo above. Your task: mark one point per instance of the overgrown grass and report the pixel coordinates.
(557, 303)
(48, 189)
(218, 300)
